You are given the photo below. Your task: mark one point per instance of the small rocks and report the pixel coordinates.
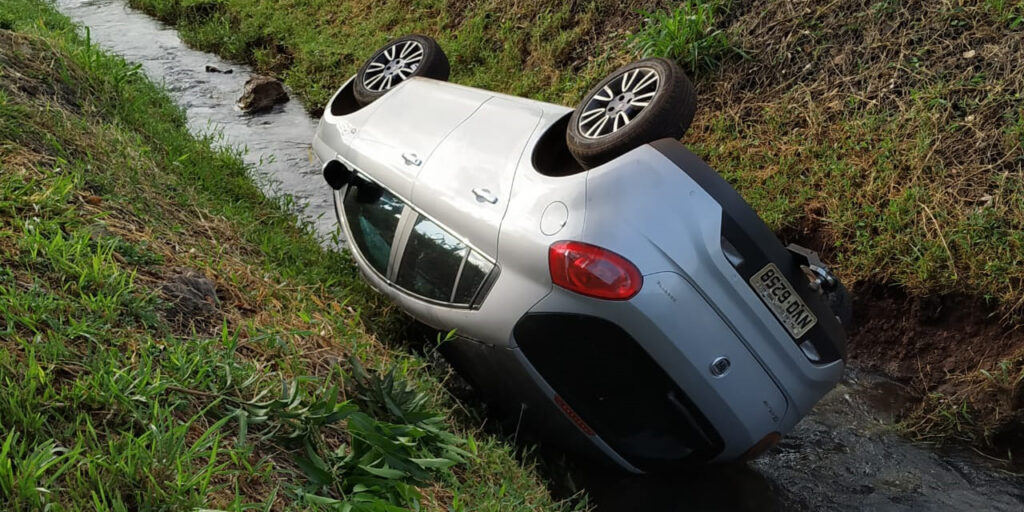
(262, 93)
(969, 54)
(192, 298)
(215, 69)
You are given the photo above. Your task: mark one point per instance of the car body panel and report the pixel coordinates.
(688, 242)
(389, 150)
(475, 166)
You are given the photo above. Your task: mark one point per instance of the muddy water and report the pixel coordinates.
(844, 456)
(276, 144)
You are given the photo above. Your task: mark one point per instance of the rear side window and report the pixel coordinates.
(431, 262)
(372, 214)
(474, 272)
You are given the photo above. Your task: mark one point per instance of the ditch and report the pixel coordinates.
(845, 455)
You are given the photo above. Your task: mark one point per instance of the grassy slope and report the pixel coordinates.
(885, 134)
(117, 394)
(859, 121)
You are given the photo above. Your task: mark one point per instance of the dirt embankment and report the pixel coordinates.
(958, 356)
(888, 137)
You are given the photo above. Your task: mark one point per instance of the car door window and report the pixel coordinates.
(431, 261)
(474, 271)
(372, 214)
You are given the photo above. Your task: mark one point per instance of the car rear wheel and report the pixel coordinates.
(639, 103)
(397, 61)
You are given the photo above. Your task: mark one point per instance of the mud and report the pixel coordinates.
(932, 336)
(844, 456)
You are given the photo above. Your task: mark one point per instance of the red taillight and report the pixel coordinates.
(593, 271)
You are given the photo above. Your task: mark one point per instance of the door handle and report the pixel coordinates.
(485, 196)
(411, 159)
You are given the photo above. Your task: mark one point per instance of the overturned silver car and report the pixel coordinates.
(604, 283)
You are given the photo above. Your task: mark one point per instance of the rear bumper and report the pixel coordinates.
(649, 361)
(505, 379)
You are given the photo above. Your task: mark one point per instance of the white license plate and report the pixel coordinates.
(782, 299)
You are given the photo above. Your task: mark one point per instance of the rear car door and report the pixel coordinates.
(393, 144)
(468, 179)
(438, 267)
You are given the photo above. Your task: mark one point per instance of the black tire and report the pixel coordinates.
(432, 64)
(668, 113)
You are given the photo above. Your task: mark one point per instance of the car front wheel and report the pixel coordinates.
(396, 62)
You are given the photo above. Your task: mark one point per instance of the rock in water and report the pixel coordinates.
(261, 93)
(215, 69)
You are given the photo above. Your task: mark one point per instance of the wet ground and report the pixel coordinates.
(844, 456)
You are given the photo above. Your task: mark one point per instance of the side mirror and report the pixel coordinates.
(336, 174)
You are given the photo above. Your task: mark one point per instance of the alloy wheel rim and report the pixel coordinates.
(619, 102)
(392, 65)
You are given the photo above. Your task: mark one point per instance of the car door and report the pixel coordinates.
(395, 141)
(438, 267)
(468, 180)
(373, 217)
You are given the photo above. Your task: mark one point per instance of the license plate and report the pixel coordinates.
(782, 299)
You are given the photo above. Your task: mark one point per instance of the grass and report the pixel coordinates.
(687, 34)
(967, 412)
(1008, 11)
(320, 44)
(171, 339)
(886, 135)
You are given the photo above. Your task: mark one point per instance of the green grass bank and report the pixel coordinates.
(887, 135)
(170, 339)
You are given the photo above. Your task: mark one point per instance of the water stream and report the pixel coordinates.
(843, 456)
(276, 143)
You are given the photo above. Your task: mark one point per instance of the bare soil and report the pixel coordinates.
(958, 356)
(925, 339)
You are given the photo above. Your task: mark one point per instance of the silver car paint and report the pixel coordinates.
(693, 307)
(470, 177)
(666, 222)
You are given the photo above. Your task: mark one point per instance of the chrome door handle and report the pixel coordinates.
(485, 196)
(411, 159)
